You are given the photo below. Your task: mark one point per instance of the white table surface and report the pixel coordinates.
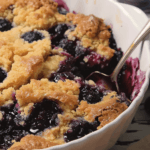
(138, 129)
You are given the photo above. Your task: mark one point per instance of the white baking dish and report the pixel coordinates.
(126, 24)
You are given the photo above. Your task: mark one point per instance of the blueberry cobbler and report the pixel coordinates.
(47, 54)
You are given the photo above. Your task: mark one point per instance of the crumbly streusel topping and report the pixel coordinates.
(92, 32)
(28, 66)
(40, 14)
(6, 95)
(56, 134)
(11, 44)
(106, 110)
(66, 92)
(31, 142)
(51, 65)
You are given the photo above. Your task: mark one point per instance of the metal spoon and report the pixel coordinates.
(113, 77)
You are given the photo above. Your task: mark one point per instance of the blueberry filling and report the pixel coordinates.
(8, 126)
(68, 45)
(62, 76)
(94, 61)
(67, 64)
(32, 36)
(91, 94)
(112, 42)
(82, 61)
(5, 25)
(57, 33)
(14, 127)
(80, 128)
(124, 99)
(3, 75)
(44, 115)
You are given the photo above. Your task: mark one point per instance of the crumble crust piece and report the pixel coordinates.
(6, 95)
(31, 142)
(66, 92)
(40, 14)
(28, 66)
(92, 32)
(51, 65)
(17, 55)
(12, 44)
(106, 110)
(56, 134)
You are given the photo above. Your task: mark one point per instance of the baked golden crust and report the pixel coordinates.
(40, 14)
(51, 65)
(28, 67)
(6, 4)
(6, 95)
(106, 110)
(12, 44)
(20, 56)
(92, 32)
(56, 134)
(65, 92)
(31, 142)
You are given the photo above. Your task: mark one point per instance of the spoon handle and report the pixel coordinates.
(144, 32)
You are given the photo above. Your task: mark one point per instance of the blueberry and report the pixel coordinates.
(59, 29)
(43, 116)
(73, 48)
(114, 61)
(32, 36)
(3, 75)
(5, 25)
(69, 47)
(91, 94)
(62, 10)
(75, 70)
(124, 99)
(112, 42)
(17, 134)
(61, 76)
(66, 65)
(80, 51)
(14, 127)
(7, 140)
(121, 75)
(57, 33)
(80, 128)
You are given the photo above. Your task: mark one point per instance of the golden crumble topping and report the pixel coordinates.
(11, 44)
(66, 92)
(106, 110)
(92, 32)
(20, 56)
(56, 134)
(40, 14)
(6, 95)
(51, 65)
(31, 142)
(28, 66)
